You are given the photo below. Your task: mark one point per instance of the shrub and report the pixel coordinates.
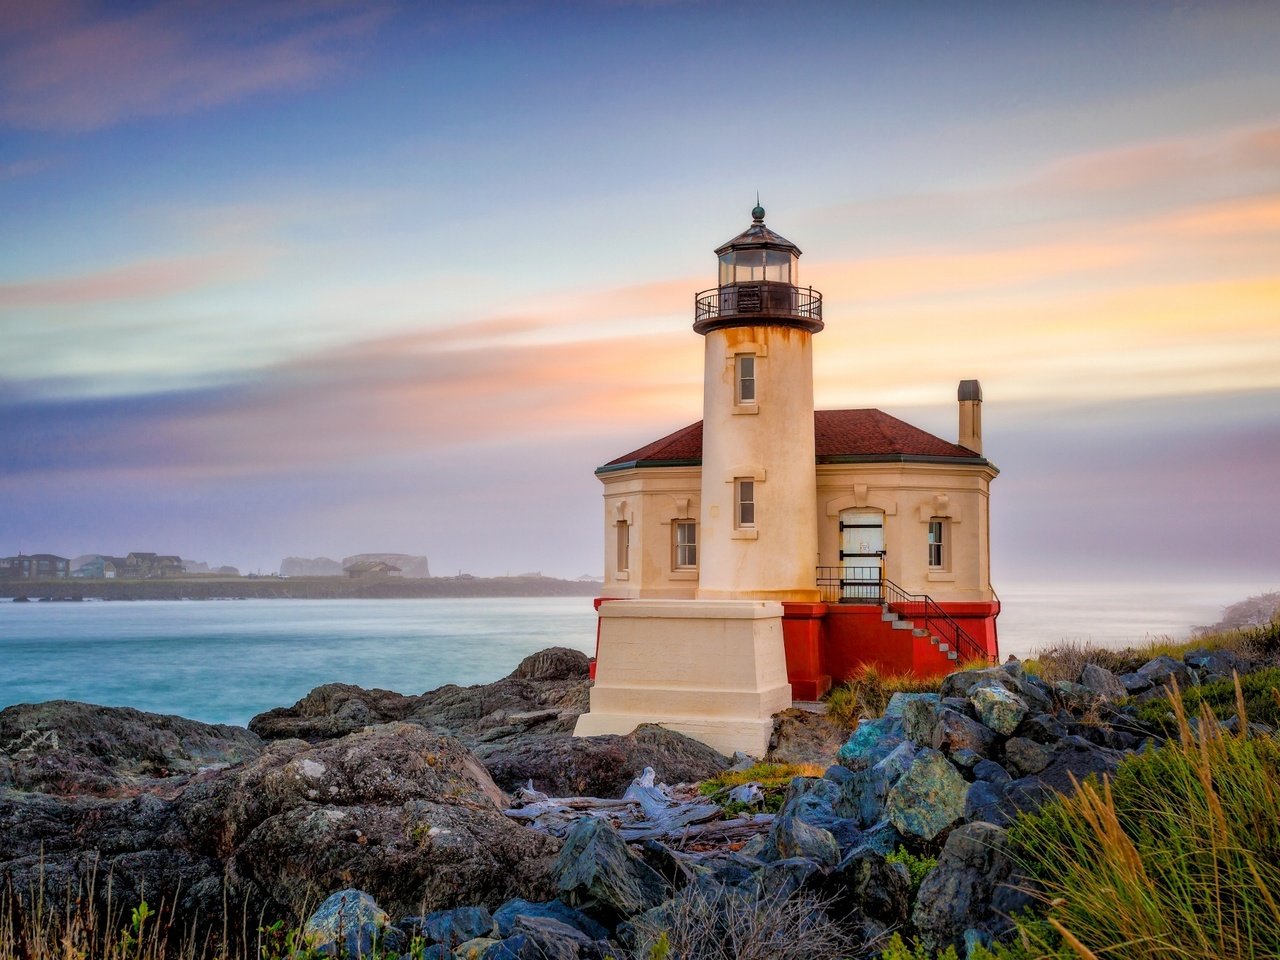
(1177, 856)
(722, 923)
(1220, 696)
(917, 867)
(867, 693)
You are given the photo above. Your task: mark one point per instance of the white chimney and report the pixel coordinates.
(970, 397)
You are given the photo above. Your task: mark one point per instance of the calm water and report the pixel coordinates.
(224, 661)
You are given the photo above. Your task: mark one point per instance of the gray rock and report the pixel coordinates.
(1042, 728)
(598, 873)
(1164, 670)
(864, 794)
(920, 720)
(1102, 682)
(871, 741)
(1134, 683)
(985, 801)
(1031, 689)
(1072, 760)
(450, 927)
(506, 916)
(349, 920)
(972, 888)
(865, 886)
(954, 731)
(794, 838)
(550, 939)
(1023, 756)
(991, 772)
(1217, 663)
(997, 707)
(929, 798)
(898, 703)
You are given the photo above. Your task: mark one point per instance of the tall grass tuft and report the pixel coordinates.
(1177, 856)
(867, 693)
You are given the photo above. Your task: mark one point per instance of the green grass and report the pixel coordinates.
(774, 778)
(1220, 695)
(1177, 856)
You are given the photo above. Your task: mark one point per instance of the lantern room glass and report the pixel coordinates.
(754, 264)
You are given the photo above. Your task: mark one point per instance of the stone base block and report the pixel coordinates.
(714, 670)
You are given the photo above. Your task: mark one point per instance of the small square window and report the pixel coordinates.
(745, 502)
(745, 378)
(686, 544)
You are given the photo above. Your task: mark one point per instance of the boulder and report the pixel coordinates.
(998, 708)
(507, 915)
(985, 801)
(794, 837)
(802, 736)
(1162, 671)
(1217, 664)
(864, 794)
(1134, 683)
(929, 797)
(70, 748)
(864, 886)
(991, 772)
(897, 705)
(1031, 689)
(603, 766)
(1072, 760)
(598, 873)
(1102, 683)
(971, 888)
(1024, 756)
(870, 742)
(450, 927)
(1042, 728)
(954, 731)
(920, 720)
(350, 923)
(330, 711)
(407, 815)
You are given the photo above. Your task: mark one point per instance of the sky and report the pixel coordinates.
(302, 279)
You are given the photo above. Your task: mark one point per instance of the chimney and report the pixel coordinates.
(970, 397)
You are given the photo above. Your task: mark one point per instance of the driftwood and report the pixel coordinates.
(647, 811)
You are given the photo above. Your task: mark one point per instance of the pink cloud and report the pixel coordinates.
(148, 279)
(75, 68)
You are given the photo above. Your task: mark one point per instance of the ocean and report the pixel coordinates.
(224, 661)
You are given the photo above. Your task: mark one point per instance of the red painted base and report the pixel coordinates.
(827, 643)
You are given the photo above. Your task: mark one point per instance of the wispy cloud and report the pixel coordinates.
(72, 66)
(142, 280)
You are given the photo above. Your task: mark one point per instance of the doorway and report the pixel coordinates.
(861, 556)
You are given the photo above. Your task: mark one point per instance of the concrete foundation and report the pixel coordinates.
(714, 670)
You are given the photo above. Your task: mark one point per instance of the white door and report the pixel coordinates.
(861, 555)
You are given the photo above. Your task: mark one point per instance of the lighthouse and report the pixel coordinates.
(759, 518)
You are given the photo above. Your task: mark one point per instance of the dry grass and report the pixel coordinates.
(867, 693)
(721, 923)
(1177, 856)
(1064, 661)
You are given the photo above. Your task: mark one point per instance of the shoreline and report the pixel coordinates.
(293, 588)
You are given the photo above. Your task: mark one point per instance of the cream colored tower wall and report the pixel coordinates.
(770, 442)
(650, 500)
(910, 496)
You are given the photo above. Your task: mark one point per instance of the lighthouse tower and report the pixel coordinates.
(759, 519)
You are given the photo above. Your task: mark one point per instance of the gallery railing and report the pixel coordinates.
(766, 298)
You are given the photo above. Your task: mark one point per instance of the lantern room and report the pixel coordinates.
(759, 275)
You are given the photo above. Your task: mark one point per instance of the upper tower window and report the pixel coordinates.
(745, 375)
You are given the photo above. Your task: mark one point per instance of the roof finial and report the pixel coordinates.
(757, 213)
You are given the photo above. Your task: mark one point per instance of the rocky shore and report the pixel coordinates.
(417, 821)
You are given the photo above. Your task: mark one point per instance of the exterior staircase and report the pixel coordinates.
(897, 622)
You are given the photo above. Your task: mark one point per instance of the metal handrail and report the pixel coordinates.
(936, 620)
(847, 584)
(765, 298)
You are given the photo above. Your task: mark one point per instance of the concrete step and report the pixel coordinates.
(952, 655)
(920, 632)
(888, 616)
(943, 648)
(902, 625)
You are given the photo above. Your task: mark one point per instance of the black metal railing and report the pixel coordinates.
(922, 607)
(850, 584)
(846, 584)
(766, 298)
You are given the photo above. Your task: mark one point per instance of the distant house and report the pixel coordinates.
(34, 566)
(370, 569)
(147, 566)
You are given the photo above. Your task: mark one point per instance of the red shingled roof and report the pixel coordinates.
(838, 435)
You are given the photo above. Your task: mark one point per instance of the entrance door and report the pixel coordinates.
(861, 556)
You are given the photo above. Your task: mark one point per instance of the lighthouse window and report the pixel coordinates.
(686, 537)
(937, 543)
(745, 495)
(624, 546)
(745, 364)
(777, 266)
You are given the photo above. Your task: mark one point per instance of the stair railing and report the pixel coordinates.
(939, 623)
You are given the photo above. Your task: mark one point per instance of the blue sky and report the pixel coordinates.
(319, 278)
